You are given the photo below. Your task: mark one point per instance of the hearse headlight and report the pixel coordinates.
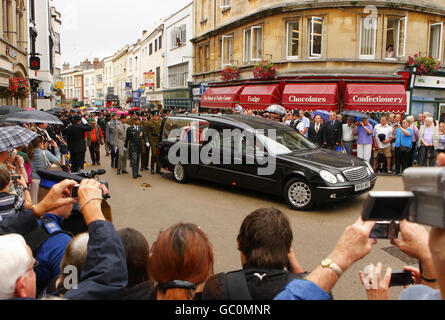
(370, 168)
(340, 178)
(328, 177)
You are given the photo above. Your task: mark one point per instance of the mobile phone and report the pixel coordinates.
(74, 191)
(401, 278)
(385, 230)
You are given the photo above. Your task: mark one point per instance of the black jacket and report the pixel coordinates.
(134, 139)
(75, 135)
(318, 138)
(22, 223)
(333, 133)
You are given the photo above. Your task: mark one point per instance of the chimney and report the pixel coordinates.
(95, 62)
(66, 66)
(144, 32)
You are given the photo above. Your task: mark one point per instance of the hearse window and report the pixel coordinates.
(191, 130)
(285, 141)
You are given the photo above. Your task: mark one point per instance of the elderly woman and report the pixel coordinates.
(441, 137)
(428, 143)
(403, 142)
(415, 137)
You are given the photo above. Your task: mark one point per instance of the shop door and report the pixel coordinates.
(442, 112)
(422, 107)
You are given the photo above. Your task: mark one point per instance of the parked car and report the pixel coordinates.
(303, 174)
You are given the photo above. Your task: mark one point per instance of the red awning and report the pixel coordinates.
(381, 97)
(221, 97)
(311, 96)
(259, 97)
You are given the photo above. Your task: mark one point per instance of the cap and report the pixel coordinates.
(239, 108)
(77, 118)
(144, 114)
(113, 114)
(155, 113)
(295, 112)
(123, 116)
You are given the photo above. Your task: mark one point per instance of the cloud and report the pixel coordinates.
(98, 28)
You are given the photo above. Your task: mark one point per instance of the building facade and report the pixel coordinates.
(13, 46)
(89, 85)
(338, 41)
(99, 83)
(178, 59)
(120, 74)
(56, 24)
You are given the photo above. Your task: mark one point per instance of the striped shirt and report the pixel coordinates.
(9, 204)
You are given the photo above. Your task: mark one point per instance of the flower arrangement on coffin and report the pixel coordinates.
(424, 65)
(230, 73)
(18, 88)
(265, 70)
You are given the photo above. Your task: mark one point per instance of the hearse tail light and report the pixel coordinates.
(328, 177)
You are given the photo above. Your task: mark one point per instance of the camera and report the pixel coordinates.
(75, 191)
(401, 278)
(15, 178)
(423, 201)
(385, 230)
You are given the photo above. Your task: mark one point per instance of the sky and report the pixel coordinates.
(98, 28)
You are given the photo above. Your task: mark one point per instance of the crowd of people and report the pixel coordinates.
(40, 257)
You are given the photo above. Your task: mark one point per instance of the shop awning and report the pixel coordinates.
(221, 97)
(378, 97)
(311, 96)
(259, 97)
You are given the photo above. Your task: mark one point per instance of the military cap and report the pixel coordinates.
(155, 113)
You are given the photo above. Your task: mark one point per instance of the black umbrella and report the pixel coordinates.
(352, 113)
(33, 116)
(10, 109)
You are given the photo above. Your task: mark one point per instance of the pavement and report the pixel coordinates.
(155, 202)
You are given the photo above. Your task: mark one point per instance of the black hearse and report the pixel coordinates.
(262, 155)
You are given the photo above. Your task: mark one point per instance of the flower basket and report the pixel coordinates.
(424, 65)
(265, 70)
(230, 73)
(18, 89)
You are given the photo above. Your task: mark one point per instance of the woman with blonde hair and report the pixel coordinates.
(428, 143)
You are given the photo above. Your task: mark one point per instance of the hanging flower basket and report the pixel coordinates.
(230, 73)
(424, 65)
(18, 88)
(265, 70)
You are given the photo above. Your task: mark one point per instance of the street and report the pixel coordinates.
(219, 211)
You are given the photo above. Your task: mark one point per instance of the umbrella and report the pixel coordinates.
(322, 113)
(34, 116)
(112, 110)
(276, 108)
(123, 112)
(135, 109)
(102, 109)
(55, 110)
(15, 136)
(10, 109)
(352, 113)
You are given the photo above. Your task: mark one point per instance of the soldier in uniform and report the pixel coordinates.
(121, 134)
(145, 150)
(154, 129)
(133, 140)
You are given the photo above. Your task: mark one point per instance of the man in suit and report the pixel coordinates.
(133, 143)
(316, 132)
(75, 135)
(121, 134)
(333, 132)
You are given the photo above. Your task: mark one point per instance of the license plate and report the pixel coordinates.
(362, 186)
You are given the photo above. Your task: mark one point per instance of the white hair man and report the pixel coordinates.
(17, 276)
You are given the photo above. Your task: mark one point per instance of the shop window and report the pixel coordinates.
(368, 34)
(315, 37)
(395, 38)
(253, 44)
(178, 75)
(435, 48)
(293, 39)
(226, 50)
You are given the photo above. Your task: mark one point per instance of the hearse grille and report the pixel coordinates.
(356, 174)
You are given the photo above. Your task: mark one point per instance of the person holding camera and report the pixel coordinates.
(11, 203)
(428, 143)
(403, 144)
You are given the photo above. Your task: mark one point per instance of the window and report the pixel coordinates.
(435, 49)
(315, 37)
(395, 38)
(253, 40)
(178, 75)
(178, 36)
(158, 77)
(226, 50)
(204, 10)
(32, 10)
(293, 39)
(57, 42)
(160, 42)
(156, 45)
(150, 48)
(368, 36)
(224, 4)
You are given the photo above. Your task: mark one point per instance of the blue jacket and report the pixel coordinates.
(51, 252)
(300, 289)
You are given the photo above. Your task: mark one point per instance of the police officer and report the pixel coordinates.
(145, 150)
(154, 129)
(133, 143)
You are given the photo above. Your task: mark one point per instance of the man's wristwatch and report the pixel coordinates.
(329, 263)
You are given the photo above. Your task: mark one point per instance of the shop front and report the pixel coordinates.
(155, 98)
(259, 97)
(311, 96)
(220, 99)
(428, 95)
(179, 98)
